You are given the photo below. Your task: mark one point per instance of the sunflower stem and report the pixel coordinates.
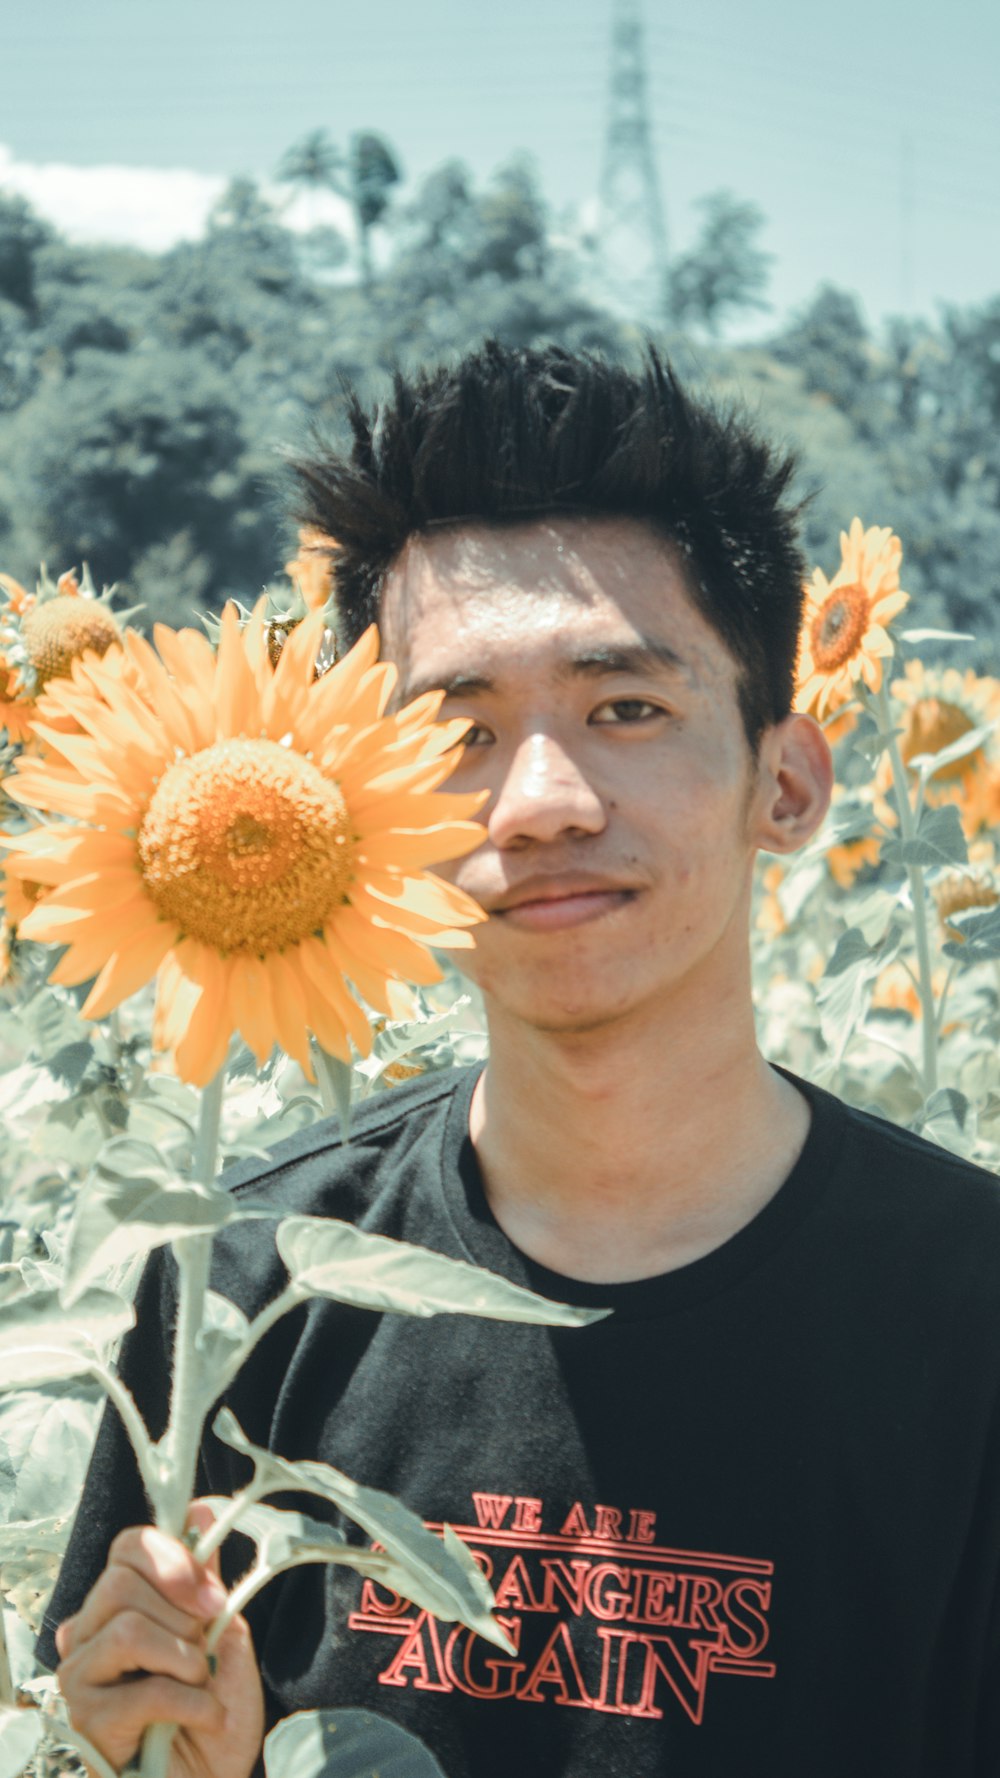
(918, 896)
(7, 1694)
(189, 1398)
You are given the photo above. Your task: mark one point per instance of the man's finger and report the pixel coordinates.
(132, 1643)
(116, 1718)
(171, 1568)
(178, 1595)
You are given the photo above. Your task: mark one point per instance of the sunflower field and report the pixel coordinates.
(221, 922)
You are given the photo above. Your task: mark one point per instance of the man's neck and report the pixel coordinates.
(622, 1153)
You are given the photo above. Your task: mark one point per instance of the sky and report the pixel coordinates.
(868, 134)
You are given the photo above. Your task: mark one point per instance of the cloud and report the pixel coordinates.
(149, 207)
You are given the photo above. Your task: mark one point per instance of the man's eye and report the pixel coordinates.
(625, 710)
(477, 735)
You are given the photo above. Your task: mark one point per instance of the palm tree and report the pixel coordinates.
(313, 165)
(316, 164)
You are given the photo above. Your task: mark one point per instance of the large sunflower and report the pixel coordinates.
(249, 834)
(843, 637)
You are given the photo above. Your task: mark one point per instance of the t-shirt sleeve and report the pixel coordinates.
(113, 1495)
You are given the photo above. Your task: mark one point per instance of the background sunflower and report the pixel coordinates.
(843, 637)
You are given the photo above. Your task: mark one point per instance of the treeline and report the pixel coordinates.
(144, 398)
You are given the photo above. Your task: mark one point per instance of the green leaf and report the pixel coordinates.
(70, 1063)
(338, 1078)
(20, 1733)
(125, 1157)
(934, 636)
(946, 1102)
(45, 1442)
(32, 1535)
(939, 841)
(41, 1340)
(53, 1023)
(326, 1257)
(117, 1218)
(31, 1553)
(980, 934)
(223, 1331)
(432, 1576)
(345, 1744)
(846, 821)
(851, 948)
(845, 990)
(292, 1540)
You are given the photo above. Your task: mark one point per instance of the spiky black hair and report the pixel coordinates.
(508, 436)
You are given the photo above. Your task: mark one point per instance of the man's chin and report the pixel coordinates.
(579, 1016)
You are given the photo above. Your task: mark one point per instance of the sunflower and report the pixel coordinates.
(961, 891)
(846, 861)
(21, 891)
(16, 596)
(42, 634)
(938, 707)
(843, 637)
(16, 713)
(59, 631)
(248, 834)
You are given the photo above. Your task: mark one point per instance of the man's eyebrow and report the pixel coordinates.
(647, 655)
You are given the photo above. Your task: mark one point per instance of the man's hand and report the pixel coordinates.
(134, 1654)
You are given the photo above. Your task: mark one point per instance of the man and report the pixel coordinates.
(750, 1523)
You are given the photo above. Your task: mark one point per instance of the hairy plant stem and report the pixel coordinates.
(918, 896)
(189, 1400)
(216, 1534)
(289, 1299)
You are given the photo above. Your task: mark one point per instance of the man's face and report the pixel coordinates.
(617, 863)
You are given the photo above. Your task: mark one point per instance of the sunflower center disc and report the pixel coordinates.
(934, 724)
(59, 630)
(838, 627)
(245, 846)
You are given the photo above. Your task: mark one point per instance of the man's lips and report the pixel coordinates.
(546, 906)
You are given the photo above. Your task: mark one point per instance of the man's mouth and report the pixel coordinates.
(552, 906)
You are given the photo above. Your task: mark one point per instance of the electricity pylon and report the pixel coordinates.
(632, 230)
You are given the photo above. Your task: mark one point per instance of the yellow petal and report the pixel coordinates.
(351, 939)
(128, 970)
(320, 965)
(290, 1015)
(413, 849)
(235, 693)
(250, 999)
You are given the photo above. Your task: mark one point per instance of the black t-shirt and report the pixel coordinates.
(749, 1524)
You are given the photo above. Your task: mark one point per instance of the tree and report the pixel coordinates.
(725, 271)
(829, 342)
(365, 178)
(129, 451)
(22, 234)
(313, 165)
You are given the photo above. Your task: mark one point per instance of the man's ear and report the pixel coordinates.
(794, 784)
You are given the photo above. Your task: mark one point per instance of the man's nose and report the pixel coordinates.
(545, 794)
